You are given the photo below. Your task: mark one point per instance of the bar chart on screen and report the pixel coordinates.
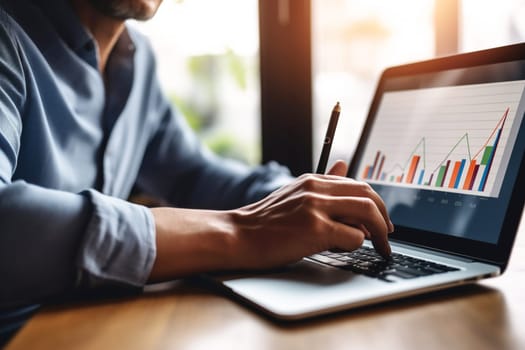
(452, 139)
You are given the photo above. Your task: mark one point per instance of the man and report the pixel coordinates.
(83, 121)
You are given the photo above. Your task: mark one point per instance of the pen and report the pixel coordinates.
(328, 139)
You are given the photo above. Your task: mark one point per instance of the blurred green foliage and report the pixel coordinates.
(201, 112)
(237, 69)
(192, 117)
(201, 109)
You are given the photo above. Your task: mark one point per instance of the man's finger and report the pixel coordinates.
(369, 217)
(347, 238)
(355, 211)
(340, 168)
(349, 187)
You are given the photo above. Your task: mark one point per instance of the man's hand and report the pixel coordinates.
(312, 214)
(315, 213)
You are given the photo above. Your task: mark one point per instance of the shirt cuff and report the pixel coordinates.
(119, 245)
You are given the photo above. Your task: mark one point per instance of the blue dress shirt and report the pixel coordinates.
(72, 148)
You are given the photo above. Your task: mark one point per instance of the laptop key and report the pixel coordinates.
(327, 260)
(368, 271)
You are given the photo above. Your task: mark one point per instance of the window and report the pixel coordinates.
(207, 54)
(485, 24)
(353, 41)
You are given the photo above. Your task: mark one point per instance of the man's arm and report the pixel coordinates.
(52, 241)
(313, 214)
(308, 215)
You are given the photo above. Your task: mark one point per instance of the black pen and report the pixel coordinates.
(328, 139)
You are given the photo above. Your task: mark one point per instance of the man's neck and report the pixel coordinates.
(105, 30)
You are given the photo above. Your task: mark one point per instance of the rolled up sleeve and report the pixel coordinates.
(119, 243)
(52, 240)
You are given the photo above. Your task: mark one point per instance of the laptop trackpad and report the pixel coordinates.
(302, 288)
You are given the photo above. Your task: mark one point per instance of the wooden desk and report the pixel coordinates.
(488, 315)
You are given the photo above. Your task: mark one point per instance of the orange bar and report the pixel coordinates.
(470, 171)
(412, 169)
(454, 175)
(365, 173)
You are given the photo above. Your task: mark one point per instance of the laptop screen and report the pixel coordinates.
(443, 146)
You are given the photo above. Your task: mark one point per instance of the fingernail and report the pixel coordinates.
(391, 227)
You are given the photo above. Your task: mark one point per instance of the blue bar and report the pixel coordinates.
(383, 177)
(460, 172)
(420, 181)
(482, 184)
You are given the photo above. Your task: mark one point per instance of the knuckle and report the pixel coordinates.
(303, 176)
(308, 183)
(365, 187)
(310, 200)
(367, 204)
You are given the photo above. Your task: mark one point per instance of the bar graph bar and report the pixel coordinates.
(470, 174)
(380, 166)
(441, 175)
(460, 173)
(412, 169)
(455, 173)
(421, 174)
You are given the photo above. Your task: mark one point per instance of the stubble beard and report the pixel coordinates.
(123, 9)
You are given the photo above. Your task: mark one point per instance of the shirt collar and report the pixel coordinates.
(61, 15)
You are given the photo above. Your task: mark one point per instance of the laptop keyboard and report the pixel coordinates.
(366, 261)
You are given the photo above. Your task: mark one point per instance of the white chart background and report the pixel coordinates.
(443, 116)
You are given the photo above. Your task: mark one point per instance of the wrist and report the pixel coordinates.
(192, 241)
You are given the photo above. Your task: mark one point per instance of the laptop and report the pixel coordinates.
(443, 144)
